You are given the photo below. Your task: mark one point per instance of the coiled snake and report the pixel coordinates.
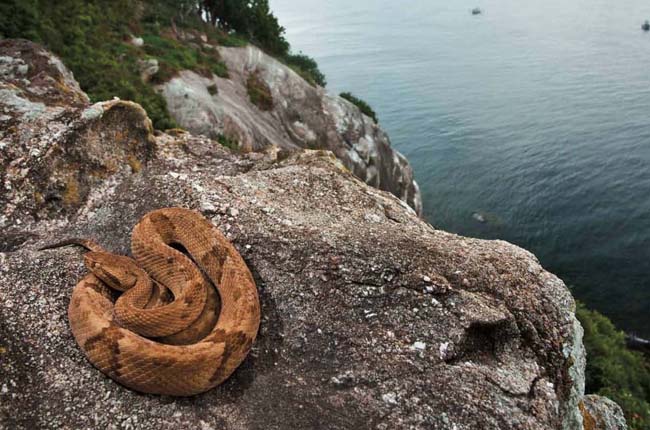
(149, 341)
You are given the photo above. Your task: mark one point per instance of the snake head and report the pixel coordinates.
(117, 271)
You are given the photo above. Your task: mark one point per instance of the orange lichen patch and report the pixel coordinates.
(135, 164)
(119, 136)
(38, 197)
(98, 173)
(175, 132)
(3, 349)
(71, 195)
(588, 422)
(246, 148)
(111, 167)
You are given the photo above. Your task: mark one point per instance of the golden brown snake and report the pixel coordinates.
(149, 341)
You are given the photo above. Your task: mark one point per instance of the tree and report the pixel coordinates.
(252, 19)
(19, 19)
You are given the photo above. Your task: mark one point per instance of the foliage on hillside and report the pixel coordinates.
(92, 38)
(306, 67)
(615, 371)
(252, 19)
(362, 105)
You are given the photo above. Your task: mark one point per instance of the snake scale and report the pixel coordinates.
(169, 331)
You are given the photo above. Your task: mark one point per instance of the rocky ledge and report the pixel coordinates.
(370, 317)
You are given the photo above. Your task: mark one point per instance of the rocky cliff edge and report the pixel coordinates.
(370, 317)
(298, 115)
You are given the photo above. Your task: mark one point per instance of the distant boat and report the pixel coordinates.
(478, 11)
(646, 26)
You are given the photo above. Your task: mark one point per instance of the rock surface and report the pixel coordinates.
(303, 116)
(600, 413)
(370, 317)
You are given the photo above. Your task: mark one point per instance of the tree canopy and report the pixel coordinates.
(252, 19)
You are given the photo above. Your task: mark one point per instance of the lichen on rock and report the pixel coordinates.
(601, 413)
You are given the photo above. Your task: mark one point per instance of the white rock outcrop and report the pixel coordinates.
(303, 116)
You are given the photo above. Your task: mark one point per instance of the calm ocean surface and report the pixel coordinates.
(535, 114)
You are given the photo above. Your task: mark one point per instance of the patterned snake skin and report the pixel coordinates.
(169, 332)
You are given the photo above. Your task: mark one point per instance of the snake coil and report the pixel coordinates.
(188, 313)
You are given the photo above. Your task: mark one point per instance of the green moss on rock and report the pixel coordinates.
(259, 92)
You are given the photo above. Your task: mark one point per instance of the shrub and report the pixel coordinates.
(615, 371)
(363, 106)
(259, 92)
(306, 67)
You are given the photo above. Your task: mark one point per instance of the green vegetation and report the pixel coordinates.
(363, 106)
(259, 92)
(174, 56)
(251, 19)
(92, 38)
(306, 67)
(615, 371)
(228, 142)
(213, 90)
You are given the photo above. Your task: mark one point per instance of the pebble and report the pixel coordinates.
(444, 348)
(137, 41)
(390, 398)
(207, 207)
(419, 346)
(369, 313)
(371, 217)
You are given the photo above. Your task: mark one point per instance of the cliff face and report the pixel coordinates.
(299, 116)
(370, 317)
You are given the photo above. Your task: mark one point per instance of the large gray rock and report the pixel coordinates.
(303, 116)
(601, 413)
(370, 317)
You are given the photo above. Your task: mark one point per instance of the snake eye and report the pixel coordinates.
(130, 279)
